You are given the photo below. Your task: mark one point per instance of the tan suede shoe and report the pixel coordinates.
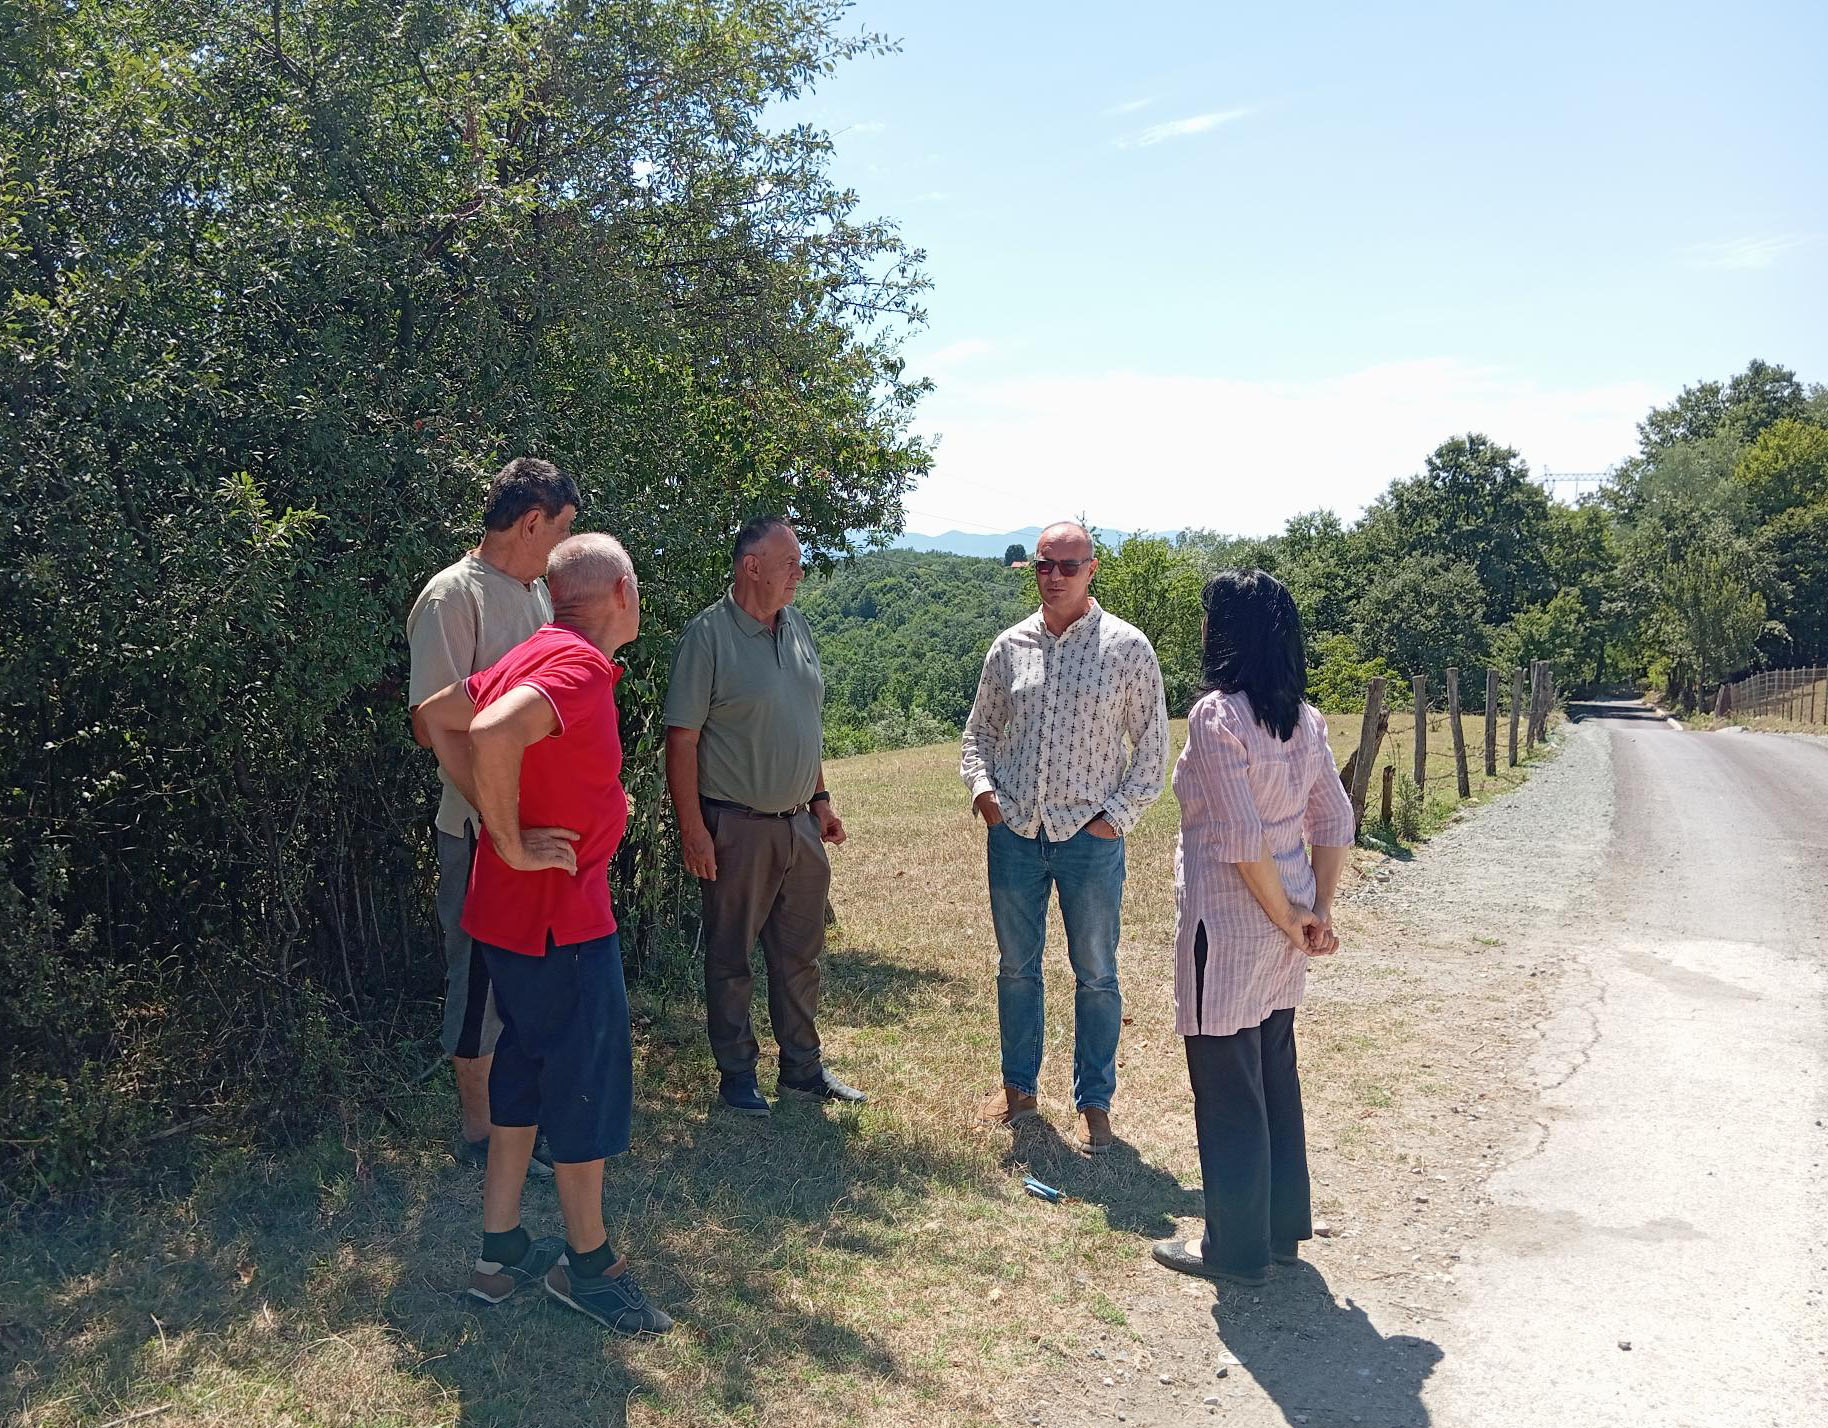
(1092, 1131)
(1006, 1106)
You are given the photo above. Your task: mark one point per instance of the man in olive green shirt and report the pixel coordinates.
(743, 740)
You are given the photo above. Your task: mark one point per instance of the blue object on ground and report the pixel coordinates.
(1036, 1188)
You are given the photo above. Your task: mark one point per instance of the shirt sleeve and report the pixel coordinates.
(984, 728)
(688, 688)
(1145, 720)
(442, 643)
(1219, 766)
(1329, 822)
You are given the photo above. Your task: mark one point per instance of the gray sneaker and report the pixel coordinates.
(475, 1155)
(616, 1303)
(492, 1282)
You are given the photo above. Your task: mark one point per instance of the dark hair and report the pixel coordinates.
(526, 482)
(1254, 644)
(756, 530)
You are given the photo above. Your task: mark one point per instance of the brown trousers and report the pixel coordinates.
(773, 875)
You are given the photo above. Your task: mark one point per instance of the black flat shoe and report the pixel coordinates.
(1185, 1257)
(741, 1096)
(823, 1087)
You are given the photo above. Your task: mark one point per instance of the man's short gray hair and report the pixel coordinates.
(1075, 526)
(583, 567)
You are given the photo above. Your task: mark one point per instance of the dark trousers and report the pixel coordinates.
(1253, 1145)
(772, 879)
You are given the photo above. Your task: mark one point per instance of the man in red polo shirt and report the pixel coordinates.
(532, 743)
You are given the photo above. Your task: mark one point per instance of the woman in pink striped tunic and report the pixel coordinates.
(1265, 828)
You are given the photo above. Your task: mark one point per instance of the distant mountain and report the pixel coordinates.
(968, 542)
(971, 543)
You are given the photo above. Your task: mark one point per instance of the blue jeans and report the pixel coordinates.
(1089, 874)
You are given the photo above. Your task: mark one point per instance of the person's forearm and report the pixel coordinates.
(976, 754)
(496, 756)
(1329, 863)
(682, 780)
(1264, 880)
(457, 757)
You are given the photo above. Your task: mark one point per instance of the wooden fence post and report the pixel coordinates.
(1516, 709)
(1367, 748)
(1453, 719)
(1529, 725)
(1384, 808)
(1420, 685)
(1491, 723)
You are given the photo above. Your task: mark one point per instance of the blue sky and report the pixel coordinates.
(1213, 264)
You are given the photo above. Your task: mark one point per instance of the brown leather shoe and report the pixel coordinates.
(1092, 1131)
(1007, 1106)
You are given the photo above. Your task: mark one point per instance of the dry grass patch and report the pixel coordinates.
(874, 1265)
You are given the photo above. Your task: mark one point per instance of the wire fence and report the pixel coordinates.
(1797, 695)
(1533, 696)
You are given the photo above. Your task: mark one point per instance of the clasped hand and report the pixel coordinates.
(1311, 932)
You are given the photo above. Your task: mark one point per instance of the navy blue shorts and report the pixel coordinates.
(564, 1061)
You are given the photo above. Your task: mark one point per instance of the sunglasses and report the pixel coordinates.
(1068, 568)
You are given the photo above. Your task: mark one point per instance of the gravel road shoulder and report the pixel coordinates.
(1441, 1008)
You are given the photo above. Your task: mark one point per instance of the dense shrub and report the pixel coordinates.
(282, 286)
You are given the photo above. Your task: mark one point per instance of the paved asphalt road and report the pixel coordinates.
(1658, 1259)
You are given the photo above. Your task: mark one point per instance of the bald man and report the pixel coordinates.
(532, 744)
(1066, 745)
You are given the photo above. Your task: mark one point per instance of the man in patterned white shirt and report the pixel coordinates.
(1046, 760)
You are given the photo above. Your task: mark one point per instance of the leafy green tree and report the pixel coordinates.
(908, 629)
(1212, 552)
(283, 284)
(1688, 634)
(1475, 504)
(1696, 474)
(1786, 467)
(1323, 565)
(1157, 587)
(1014, 553)
(1423, 615)
(1338, 675)
(1742, 407)
(1559, 631)
(1798, 542)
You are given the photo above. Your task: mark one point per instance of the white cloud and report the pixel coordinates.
(1161, 452)
(867, 126)
(954, 353)
(1183, 128)
(938, 195)
(1741, 252)
(1129, 106)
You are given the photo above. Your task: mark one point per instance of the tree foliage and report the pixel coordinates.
(901, 631)
(283, 283)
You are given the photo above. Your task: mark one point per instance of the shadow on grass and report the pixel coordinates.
(1135, 1196)
(283, 1286)
(1322, 1361)
(859, 987)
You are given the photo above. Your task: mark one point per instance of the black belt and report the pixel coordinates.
(745, 809)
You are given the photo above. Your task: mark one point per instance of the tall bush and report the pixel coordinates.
(282, 284)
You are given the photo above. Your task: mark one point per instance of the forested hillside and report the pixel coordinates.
(902, 636)
(1705, 555)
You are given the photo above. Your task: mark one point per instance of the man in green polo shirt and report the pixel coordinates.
(743, 741)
